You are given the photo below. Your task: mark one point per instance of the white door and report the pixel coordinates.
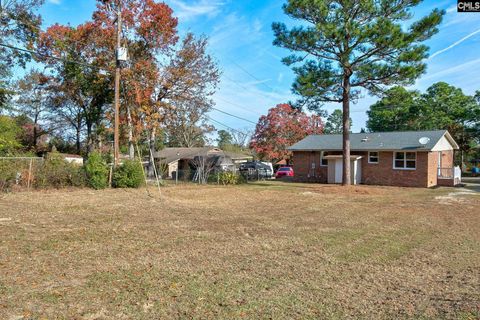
(338, 170)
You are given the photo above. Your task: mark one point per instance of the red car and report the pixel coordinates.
(284, 172)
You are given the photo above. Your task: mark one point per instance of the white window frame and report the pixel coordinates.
(378, 157)
(404, 160)
(321, 159)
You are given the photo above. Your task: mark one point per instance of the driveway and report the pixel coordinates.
(472, 183)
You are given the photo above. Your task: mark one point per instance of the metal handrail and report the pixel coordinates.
(446, 173)
(450, 173)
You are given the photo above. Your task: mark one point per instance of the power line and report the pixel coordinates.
(224, 125)
(235, 82)
(250, 74)
(51, 57)
(232, 115)
(239, 106)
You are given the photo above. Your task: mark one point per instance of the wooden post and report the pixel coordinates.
(110, 174)
(29, 173)
(116, 134)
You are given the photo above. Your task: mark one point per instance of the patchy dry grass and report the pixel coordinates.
(262, 251)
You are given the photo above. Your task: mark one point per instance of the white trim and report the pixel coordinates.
(404, 161)
(378, 157)
(321, 159)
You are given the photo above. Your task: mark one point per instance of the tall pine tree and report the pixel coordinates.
(345, 45)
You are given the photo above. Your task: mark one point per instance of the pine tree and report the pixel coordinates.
(346, 45)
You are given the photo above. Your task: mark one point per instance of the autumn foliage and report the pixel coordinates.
(282, 127)
(166, 77)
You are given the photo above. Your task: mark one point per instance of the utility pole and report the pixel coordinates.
(116, 134)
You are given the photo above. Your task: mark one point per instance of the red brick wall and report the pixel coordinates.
(302, 167)
(382, 173)
(447, 159)
(432, 169)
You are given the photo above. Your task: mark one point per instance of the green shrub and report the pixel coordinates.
(96, 171)
(228, 177)
(128, 175)
(8, 174)
(55, 172)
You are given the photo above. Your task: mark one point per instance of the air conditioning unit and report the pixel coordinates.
(122, 54)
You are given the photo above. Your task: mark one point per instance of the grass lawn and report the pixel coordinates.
(260, 251)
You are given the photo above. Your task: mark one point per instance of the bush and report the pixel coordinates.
(55, 172)
(228, 177)
(8, 174)
(96, 171)
(128, 175)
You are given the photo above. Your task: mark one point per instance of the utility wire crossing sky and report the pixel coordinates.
(254, 78)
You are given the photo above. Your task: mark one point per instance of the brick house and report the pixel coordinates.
(407, 159)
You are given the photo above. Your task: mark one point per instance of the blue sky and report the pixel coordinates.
(254, 79)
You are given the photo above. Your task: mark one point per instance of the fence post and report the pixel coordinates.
(29, 174)
(110, 174)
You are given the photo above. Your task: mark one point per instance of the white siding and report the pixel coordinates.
(443, 145)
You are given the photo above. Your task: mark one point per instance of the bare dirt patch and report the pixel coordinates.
(266, 250)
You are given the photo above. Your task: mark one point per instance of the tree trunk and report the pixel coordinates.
(79, 128)
(131, 148)
(90, 142)
(346, 178)
(35, 134)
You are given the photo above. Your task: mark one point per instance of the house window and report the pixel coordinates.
(405, 160)
(323, 161)
(373, 157)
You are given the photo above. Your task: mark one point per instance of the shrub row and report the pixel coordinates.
(55, 172)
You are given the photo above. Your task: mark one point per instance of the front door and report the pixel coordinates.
(338, 170)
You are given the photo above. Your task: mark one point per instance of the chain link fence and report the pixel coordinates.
(219, 176)
(18, 171)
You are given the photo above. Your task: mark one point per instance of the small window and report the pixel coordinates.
(373, 157)
(405, 160)
(323, 161)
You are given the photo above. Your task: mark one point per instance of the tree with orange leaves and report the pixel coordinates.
(149, 30)
(163, 81)
(282, 127)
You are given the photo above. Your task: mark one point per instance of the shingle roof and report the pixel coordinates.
(169, 155)
(406, 140)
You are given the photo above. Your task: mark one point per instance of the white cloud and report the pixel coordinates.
(187, 11)
(453, 45)
(280, 77)
(456, 70)
(55, 1)
(452, 9)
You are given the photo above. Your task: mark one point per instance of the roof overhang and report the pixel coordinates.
(352, 157)
(419, 148)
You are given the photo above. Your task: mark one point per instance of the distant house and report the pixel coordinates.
(181, 159)
(410, 159)
(72, 158)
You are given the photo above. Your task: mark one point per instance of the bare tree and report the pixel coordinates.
(187, 125)
(204, 165)
(241, 138)
(188, 83)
